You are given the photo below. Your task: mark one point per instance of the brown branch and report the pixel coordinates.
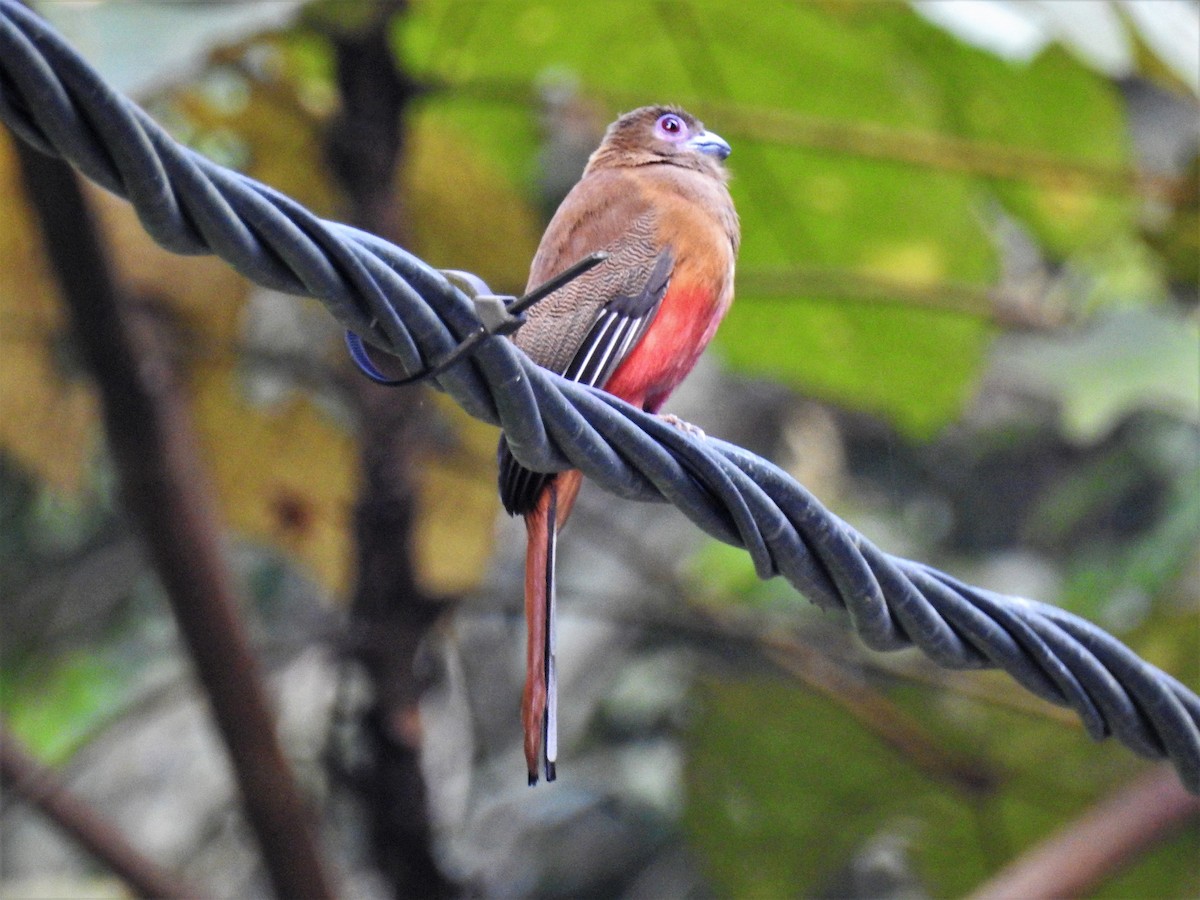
(1098, 844)
(936, 150)
(391, 611)
(163, 488)
(929, 150)
(1005, 307)
(40, 786)
(977, 686)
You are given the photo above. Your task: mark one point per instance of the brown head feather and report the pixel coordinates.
(632, 141)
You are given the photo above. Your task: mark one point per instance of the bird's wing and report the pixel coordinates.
(585, 329)
(608, 211)
(618, 325)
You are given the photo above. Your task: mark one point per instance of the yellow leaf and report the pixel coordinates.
(913, 264)
(286, 476)
(48, 416)
(456, 506)
(465, 213)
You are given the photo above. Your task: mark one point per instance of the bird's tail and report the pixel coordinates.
(539, 702)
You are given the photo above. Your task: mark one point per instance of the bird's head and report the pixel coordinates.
(656, 135)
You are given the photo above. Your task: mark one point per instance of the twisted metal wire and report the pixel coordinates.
(55, 101)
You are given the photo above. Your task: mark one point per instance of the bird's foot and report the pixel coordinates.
(686, 427)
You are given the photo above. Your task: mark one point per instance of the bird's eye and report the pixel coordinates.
(670, 127)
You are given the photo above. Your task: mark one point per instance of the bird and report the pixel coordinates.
(654, 197)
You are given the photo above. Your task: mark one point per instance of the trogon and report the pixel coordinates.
(654, 197)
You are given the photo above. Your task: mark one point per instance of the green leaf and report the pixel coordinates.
(52, 712)
(785, 788)
(916, 367)
(1062, 123)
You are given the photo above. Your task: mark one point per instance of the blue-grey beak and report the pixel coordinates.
(710, 143)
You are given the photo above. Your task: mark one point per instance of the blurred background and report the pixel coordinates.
(966, 319)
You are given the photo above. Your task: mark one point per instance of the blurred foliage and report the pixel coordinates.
(787, 793)
(861, 74)
(54, 710)
(878, 165)
(1122, 363)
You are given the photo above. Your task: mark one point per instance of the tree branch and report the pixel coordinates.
(1099, 843)
(163, 488)
(392, 612)
(40, 786)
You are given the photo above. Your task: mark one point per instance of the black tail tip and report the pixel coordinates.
(551, 772)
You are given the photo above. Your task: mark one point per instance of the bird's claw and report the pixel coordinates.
(686, 427)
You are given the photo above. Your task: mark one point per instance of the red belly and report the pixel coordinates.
(685, 323)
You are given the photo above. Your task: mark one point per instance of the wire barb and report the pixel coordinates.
(495, 316)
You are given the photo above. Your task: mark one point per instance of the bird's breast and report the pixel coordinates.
(685, 323)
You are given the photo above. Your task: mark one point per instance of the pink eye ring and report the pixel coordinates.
(670, 127)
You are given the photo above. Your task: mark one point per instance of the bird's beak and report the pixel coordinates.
(710, 143)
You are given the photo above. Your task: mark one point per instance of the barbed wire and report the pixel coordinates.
(51, 98)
